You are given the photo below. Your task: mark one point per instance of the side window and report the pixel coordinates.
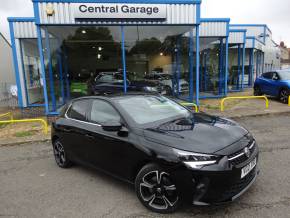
(267, 75)
(78, 110)
(106, 78)
(102, 112)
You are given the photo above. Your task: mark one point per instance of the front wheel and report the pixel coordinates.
(156, 190)
(284, 96)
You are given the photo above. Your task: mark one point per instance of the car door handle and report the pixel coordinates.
(89, 136)
(66, 129)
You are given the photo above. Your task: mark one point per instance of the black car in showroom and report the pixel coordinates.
(107, 83)
(168, 152)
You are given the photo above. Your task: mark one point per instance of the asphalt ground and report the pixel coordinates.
(31, 185)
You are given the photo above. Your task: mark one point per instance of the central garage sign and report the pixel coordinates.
(119, 11)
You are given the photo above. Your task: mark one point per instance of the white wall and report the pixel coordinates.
(272, 54)
(6, 66)
(7, 76)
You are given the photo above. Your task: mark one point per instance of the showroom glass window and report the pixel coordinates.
(159, 49)
(81, 53)
(31, 70)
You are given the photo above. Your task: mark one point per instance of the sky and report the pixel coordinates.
(274, 13)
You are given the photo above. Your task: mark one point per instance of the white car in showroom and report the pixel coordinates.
(166, 79)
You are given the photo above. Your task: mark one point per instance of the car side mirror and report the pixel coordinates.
(112, 126)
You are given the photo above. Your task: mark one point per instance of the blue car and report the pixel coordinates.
(276, 83)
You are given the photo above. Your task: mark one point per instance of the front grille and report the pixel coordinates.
(239, 156)
(237, 187)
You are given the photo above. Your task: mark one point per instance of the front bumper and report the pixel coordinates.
(216, 184)
(228, 198)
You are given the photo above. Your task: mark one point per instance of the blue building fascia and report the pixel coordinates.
(125, 1)
(265, 26)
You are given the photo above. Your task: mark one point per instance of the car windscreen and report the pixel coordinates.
(284, 75)
(149, 109)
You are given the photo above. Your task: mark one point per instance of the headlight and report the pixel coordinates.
(150, 89)
(195, 160)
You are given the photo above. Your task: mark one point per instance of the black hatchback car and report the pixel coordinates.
(168, 152)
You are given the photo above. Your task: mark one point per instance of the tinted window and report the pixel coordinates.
(103, 112)
(267, 75)
(78, 110)
(105, 78)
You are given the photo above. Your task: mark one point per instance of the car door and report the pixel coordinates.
(110, 150)
(76, 140)
(265, 84)
(274, 84)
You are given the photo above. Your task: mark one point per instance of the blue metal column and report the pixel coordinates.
(191, 67)
(15, 62)
(243, 66)
(50, 70)
(197, 67)
(42, 70)
(239, 66)
(221, 63)
(226, 67)
(124, 59)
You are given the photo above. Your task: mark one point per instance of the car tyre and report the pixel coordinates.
(59, 154)
(284, 96)
(257, 91)
(156, 190)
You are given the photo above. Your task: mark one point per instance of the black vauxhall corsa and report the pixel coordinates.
(168, 152)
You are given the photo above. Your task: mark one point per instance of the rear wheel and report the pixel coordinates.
(156, 190)
(284, 96)
(60, 155)
(257, 91)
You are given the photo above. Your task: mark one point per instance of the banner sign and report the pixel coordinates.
(119, 11)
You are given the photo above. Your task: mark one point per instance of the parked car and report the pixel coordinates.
(112, 82)
(167, 80)
(168, 152)
(276, 83)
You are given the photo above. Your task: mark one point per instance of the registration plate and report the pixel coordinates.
(247, 169)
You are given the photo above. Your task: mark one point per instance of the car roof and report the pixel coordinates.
(116, 96)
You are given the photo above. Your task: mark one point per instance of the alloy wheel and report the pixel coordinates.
(158, 191)
(59, 154)
(284, 96)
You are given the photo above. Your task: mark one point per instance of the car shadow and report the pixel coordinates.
(185, 210)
